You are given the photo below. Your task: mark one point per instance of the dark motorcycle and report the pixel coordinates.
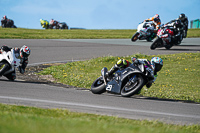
(126, 82)
(63, 25)
(7, 23)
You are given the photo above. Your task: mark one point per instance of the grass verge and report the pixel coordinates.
(20, 33)
(179, 78)
(21, 119)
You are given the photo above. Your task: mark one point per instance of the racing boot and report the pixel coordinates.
(109, 74)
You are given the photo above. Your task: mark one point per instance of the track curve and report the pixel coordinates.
(53, 50)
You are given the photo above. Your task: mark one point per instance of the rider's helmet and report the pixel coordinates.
(157, 63)
(4, 17)
(156, 16)
(182, 16)
(24, 51)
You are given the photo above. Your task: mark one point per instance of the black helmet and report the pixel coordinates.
(182, 16)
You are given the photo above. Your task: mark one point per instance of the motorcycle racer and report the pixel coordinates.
(54, 23)
(176, 27)
(44, 23)
(152, 67)
(20, 53)
(5, 22)
(156, 20)
(183, 21)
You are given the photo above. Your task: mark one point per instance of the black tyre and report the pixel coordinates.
(131, 88)
(184, 33)
(168, 46)
(135, 37)
(10, 76)
(98, 86)
(149, 39)
(3, 68)
(155, 43)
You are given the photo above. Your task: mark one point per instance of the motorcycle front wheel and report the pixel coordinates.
(98, 86)
(131, 88)
(135, 37)
(155, 43)
(3, 67)
(168, 46)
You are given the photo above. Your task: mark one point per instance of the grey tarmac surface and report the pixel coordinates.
(48, 96)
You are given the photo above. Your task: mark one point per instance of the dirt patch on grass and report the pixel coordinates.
(31, 76)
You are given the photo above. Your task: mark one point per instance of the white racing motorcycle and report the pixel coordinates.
(8, 64)
(144, 31)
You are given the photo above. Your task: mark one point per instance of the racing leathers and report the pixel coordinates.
(149, 68)
(157, 22)
(5, 22)
(122, 63)
(44, 23)
(177, 28)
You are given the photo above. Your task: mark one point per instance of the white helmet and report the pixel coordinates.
(24, 51)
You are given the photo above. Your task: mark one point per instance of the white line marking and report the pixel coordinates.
(100, 107)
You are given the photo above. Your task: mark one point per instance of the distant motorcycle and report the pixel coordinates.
(144, 31)
(63, 25)
(8, 63)
(7, 23)
(126, 82)
(54, 25)
(164, 39)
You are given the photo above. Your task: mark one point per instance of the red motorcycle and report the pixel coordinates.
(164, 39)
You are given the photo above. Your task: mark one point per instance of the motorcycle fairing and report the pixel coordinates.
(11, 59)
(115, 84)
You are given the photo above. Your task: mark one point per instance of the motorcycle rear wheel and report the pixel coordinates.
(98, 86)
(130, 89)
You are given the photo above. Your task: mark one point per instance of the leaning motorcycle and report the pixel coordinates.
(163, 39)
(8, 64)
(126, 82)
(144, 31)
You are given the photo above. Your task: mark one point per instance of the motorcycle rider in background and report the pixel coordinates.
(5, 22)
(20, 53)
(44, 23)
(177, 28)
(53, 23)
(152, 67)
(156, 22)
(184, 21)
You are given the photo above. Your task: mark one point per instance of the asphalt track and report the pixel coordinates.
(50, 51)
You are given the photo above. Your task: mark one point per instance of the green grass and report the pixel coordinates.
(20, 33)
(179, 78)
(21, 119)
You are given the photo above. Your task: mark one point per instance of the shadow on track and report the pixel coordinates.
(21, 81)
(147, 98)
